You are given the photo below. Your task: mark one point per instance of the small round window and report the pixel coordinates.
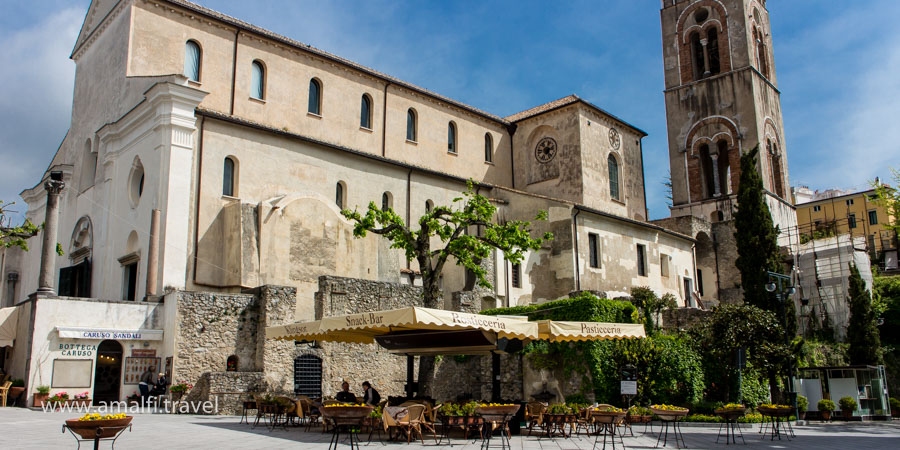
(136, 182)
(701, 15)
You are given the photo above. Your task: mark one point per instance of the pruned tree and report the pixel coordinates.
(467, 232)
(651, 305)
(18, 235)
(862, 331)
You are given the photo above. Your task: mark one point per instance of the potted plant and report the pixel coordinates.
(895, 407)
(16, 390)
(179, 389)
(848, 405)
(58, 399)
(83, 399)
(468, 411)
(87, 425)
(802, 404)
(825, 407)
(639, 414)
(669, 412)
(731, 411)
(40, 397)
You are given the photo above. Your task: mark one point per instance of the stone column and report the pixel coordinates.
(706, 71)
(715, 170)
(153, 256)
(53, 186)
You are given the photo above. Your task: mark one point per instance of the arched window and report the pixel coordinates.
(365, 112)
(386, 201)
(777, 180)
(697, 56)
(411, 125)
(339, 194)
(488, 148)
(228, 177)
(257, 80)
(613, 177)
(315, 97)
(451, 137)
(762, 53)
(429, 205)
(192, 60)
(231, 364)
(88, 166)
(712, 50)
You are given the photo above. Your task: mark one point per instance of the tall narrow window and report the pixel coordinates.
(516, 275)
(228, 178)
(664, 265)
(192, 61)
(339, 195)
(488, 148)
(613, 177)
(257, 80)
(763, 57)
(700, 281)
(641, 260)
(451, 137)
(429, 205)
(851, 220)
(385, 201)
(365, 112)
(315, 97)
(697, 56)
(411, 125)
(594, 250)
(873, 217)
(712, 50)
(129, 283)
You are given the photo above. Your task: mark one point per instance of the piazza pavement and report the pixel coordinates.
(22, 428)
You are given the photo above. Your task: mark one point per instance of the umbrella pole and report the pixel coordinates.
(495, 377)
(410, 360)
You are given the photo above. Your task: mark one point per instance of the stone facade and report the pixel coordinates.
(683, 318)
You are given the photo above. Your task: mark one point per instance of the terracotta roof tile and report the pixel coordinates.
(543, 108)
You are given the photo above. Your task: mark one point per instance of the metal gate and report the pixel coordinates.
(308, 376)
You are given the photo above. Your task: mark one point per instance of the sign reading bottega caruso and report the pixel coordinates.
(108, 333)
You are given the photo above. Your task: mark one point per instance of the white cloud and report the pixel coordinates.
(36, 81)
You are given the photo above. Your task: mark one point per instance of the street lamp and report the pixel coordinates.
(783, 294)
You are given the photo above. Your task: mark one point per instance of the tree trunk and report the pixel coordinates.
(431, 296)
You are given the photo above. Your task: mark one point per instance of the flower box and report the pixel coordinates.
(730, 413)
(87, 429)
(670, 414)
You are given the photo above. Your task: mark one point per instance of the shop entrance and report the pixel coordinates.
(108, 375)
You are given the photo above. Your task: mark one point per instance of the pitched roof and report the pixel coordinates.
(566, 101)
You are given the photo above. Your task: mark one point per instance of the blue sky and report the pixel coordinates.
(837, 66)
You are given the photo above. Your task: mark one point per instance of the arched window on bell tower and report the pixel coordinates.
(697, 56)
(712, 50)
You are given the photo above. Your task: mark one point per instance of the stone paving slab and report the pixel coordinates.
(26, 429)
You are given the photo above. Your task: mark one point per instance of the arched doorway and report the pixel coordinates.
(108, 374)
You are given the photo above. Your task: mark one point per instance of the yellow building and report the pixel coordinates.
(832, 212)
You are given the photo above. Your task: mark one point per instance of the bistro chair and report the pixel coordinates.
(4, 391)
(413, 422)
(534, 415)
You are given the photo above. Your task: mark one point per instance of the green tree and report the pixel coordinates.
(15, 236)
(466, 230)
(887, 289)
(862, 331)
(651, 305)
(890, 198)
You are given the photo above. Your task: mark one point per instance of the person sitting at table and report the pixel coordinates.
(345, 395)
(371, 397)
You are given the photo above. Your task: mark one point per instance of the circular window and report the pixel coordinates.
(136, 182)
(614, 139)
(701, 15)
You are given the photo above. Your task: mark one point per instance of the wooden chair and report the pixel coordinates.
(4, 391)
(413, 422)
(390, 424)
(534, 415)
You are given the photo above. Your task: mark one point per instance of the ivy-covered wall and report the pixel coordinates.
(669, 371)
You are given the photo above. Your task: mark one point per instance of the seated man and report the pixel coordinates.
(345, 395)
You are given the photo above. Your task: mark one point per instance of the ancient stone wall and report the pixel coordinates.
(227, 390)
(683, 318)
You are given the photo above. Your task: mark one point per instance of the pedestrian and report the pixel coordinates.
(371, 397)
(145, 383)
(345, 395)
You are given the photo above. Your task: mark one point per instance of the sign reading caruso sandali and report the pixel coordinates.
(107, 333)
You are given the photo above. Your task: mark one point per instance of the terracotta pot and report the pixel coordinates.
(88, 429)
(40, 399)
(826, 415)
(14, 394)
(847, 413)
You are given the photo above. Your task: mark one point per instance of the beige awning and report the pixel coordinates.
(364, 327)
(560, 331)
(8, 321)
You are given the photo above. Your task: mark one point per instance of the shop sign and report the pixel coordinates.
(109, 333)
(77, 349)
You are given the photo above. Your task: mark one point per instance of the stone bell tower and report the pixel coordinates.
(722, 99)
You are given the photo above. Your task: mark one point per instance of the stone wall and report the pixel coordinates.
(470, 377)
(227, 389)
(683, 318)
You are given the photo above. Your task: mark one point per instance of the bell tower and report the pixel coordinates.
(722, 99)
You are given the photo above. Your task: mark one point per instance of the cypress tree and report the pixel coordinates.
(862, 332)
(757, 241)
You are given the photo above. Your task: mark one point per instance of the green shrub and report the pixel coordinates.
(43, 389)
(895, 404)
(576, 399)
(825, 405)
(18, 382)
(847, 404)
(802, 403)
(703, 418)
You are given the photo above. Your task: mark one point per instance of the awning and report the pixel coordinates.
(560, 331)
(109, 333)
(364, 327)
(9, 319)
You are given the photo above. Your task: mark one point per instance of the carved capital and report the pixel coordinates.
(54, 187)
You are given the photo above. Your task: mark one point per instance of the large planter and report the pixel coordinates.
(826, 415)
(40, 399)
(612, 417)
(346, 415)
(776, 412)
(87, 429)
(453, 420)
(638, 419)
(496, 412)
(847, 413)
(730, 414)
(670, 415)
(14, 394)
